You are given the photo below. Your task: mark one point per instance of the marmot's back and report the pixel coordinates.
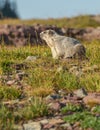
(79, 51)
(62, 46)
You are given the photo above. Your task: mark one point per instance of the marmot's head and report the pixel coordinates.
(47, 34)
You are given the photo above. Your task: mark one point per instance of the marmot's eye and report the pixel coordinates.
(44, 32)
(51, 32)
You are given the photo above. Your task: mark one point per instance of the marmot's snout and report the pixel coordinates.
(41, 35)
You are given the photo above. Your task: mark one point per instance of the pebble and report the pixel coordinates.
(66, 126)
(32, 126)
(44, 122)
(31, 58)
(54, 106)
(11, 82)
(80, 93)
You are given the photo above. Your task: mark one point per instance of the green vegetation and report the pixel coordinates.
(43, 73)
(36, 108)
(71, 108)
(75, 22)
(85, 118)
(6, 118)
(9, 93)
(43, 76)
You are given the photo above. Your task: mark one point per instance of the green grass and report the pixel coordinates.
(9, 93)
(10, 116)
(80, 21)
(85, 118)
(6, 118)
(44, 76)
(36, 108)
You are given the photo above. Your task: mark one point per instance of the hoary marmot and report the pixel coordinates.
(62, 46)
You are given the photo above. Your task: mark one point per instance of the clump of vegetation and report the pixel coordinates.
(10, 116)
(71, 108)
(36, 108)
(80, 21)
(85, 118)
(6, 67)
(6, 118)
(9, 93)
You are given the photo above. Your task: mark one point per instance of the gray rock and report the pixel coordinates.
(54, 106)
(44, 121)
(56, 96)
(62, 92)
(10, 82)
(32, 126)
(53, 97)
(80, 93)
(31, 58)
(66, 126)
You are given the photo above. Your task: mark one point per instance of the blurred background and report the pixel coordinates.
(22, 21)
(29, 9)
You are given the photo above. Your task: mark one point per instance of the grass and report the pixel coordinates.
(6, 118)
(85, 118)
(9, 116)
(80, 21)
(9, 93)
(44, 76)
(37, 108)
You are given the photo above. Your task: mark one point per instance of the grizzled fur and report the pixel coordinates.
(62, 46)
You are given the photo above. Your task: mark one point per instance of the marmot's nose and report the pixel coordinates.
(41, 34)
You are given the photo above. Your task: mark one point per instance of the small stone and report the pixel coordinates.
(48, 126)
(53, 97)
(56, 121)
(92, 100)
(62, 92)
(11, 82)
(80, 93)
(32, 126)
(44, 122)
(54, 106)
(31, 58)
(66, 126)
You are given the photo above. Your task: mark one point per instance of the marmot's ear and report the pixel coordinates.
(51, 32)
